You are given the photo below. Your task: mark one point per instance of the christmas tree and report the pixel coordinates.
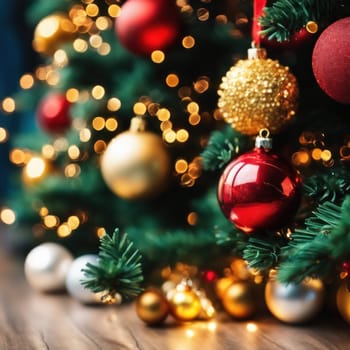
(215, 134)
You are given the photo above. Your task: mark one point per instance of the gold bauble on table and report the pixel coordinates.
(222, 284)
(294, 303)
(258, 93)
(136, 163)
(343, 300)
(185, 304)
(152, 307)
(239, 301)
(51, 32)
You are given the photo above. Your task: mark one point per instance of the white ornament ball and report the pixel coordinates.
(74, 277)
(46, 266)
(294, 303)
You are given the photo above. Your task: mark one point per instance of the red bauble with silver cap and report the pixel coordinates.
(259, 190)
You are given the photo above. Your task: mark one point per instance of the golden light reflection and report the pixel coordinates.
(35, 168)
(163, 114)
(182, 135)
(7, 216)
(92, 10)
(192, 218)
(190, 333)
(100, 232)
(181, 166)
(139, 108)
(212, 326)
(43, 211)
(98, 123)
(169, 136)
(74, 222)
(251, 327)
(51, 221)
(18, 156)
(194, 119)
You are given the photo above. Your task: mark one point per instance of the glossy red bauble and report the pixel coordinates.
(331, 60)
(258, 191)
(53, 113)
(147, 25)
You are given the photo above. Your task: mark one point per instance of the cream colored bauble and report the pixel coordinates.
(136, 163)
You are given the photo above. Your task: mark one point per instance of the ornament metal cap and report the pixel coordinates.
(263, 140)
(257, 52)
(137, 124)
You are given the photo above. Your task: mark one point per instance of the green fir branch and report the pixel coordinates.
(263, 253)
(119, 268)
(331, 186)
(285, 17)
(222, 146)
(317, 249)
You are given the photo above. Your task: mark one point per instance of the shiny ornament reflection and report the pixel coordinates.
(343, 300)
(46, 267)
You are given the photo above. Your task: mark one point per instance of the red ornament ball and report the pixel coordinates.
(331, 60)
(53, 113)
(259, 190)
(147, 25)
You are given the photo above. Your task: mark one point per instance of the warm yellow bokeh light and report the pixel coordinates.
(140, 108)
(60, 58)
(192, 218)
(193, 107)
(102, 23)
(17, 156)
(181, 166)
(8, 105)
(163, 114)
(169, 136)
(85, 135)
(111, 124)
(104, 49)
(72, 170)
(3, 135)
(114, 10)
(35, 168)
(98, 92)
(64, 230)
(188, 42)
(72, 95)
(100, 146)
(80, 45)
(51, 221)
(92, 10)
(172, 80)
(95, 41)
(113, 104)
(74, 152)
(194, 119)
(26, 81)
(98, 123)
(48, 152)
(157, 56)
(7, 216)
(74, 222)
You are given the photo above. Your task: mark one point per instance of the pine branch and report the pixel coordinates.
(222, 146)
(331, 186)
(119, 268)
(317, 249)
(285, 17)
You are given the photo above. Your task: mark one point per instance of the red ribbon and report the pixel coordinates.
(256, 27)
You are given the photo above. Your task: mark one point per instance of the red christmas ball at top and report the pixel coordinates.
(331, 60)
(259, 190)
(53, 113)
(147, 25)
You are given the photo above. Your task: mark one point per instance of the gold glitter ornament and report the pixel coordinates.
(258, 93)
(343, 300)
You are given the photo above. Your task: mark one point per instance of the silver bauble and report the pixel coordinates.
(46, 266)
(74, 277)
(294, 303)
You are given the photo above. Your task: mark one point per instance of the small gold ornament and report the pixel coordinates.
(294, 303)
(51, 32)
(258, 93)
(239, 301)
(185, 304)
(152, 307)
(136, 163)
(343, 300)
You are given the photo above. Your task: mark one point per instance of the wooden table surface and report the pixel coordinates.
(29, 320)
